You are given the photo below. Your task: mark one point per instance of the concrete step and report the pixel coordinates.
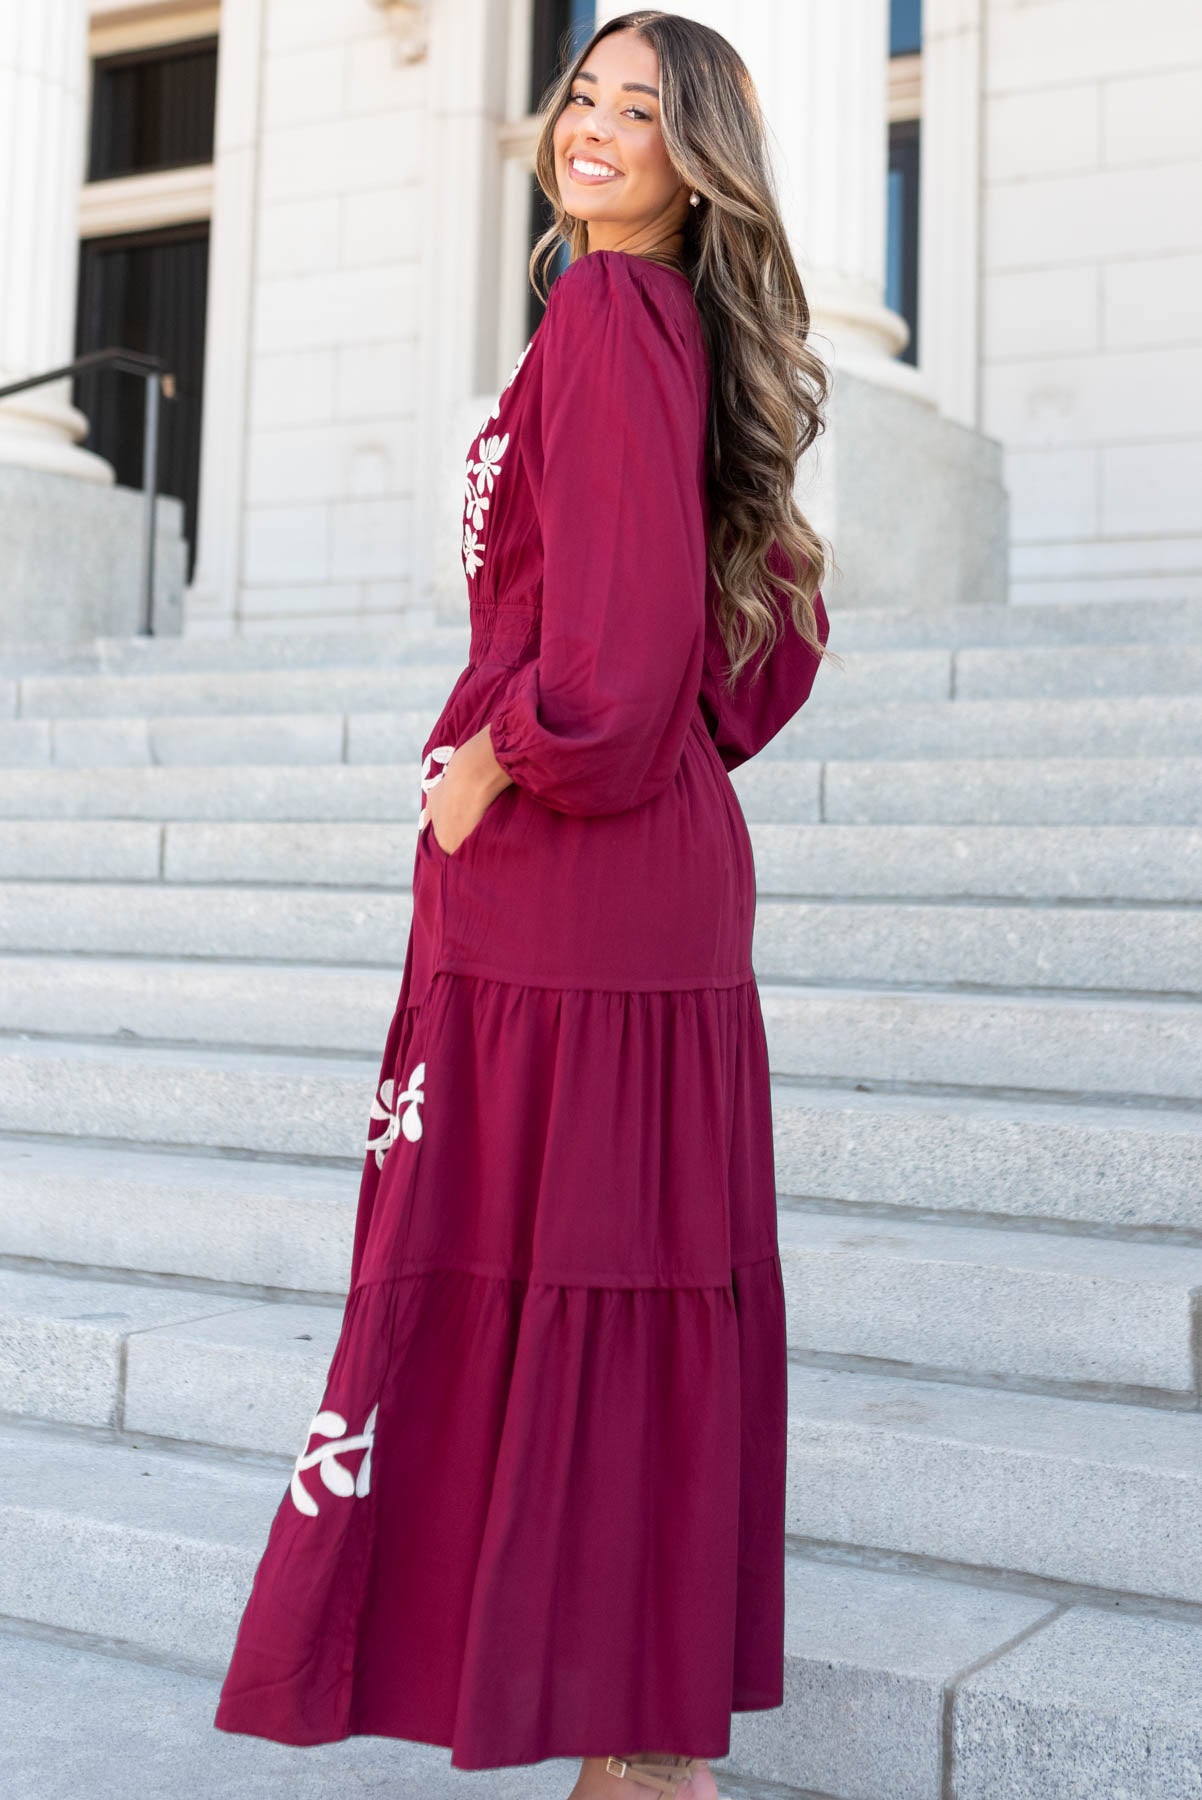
(80, 1351)
(1032, 1043)
(874, 1659)
(1146, 725)
(265, 1225)
(1142, 949)
(1016, 1306)
(1102, 669)
(1124, 1168)
(395, 645)
(1095, 1702)
(342, 925)
(1065, 791)
(299, 1007)
(400, 643)
(1045, 1307)
(969, 862)
(77, 1725)
(131, 699)
(895, 674)
(151, 1547)
(1140, 726)
(192, 1364)
(114, 850)
(1040, 1703)
(1088, 1492)
(1118, 1168)
(336, 792)
(984, 791)
(281, 1105)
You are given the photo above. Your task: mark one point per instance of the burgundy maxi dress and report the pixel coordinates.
(540, 1508)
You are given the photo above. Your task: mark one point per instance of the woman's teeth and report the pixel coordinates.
(600, 171)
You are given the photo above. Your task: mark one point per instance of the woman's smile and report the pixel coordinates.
(591, 169)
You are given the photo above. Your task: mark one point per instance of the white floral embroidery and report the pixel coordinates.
(338, 1480)
(486, 470)
(385, 1106)
(473, 550)
(483, 468)
(477, 505)
(441, 753)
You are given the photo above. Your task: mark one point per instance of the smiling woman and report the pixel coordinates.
(561, 1367)
(613, 166)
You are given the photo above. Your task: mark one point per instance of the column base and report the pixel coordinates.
(39, 431)
(71, 554)
(913, 504)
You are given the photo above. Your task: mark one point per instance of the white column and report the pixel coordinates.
(211, 602)
(950, 206)
(43, 102)
(820, 68)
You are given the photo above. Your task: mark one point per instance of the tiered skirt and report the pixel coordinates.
(540, 1508)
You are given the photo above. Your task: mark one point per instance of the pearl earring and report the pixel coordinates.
(694, 198)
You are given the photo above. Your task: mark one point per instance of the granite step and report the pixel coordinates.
(193, 1363)
(77, 1725)
(1108, 863)
(895, 674)
(891, 943)
(1032, 1043)
(967, 673)
(1042, 1704)
(1138, 725)
(1096, 1493)
(981, 791)
(1103, 863)
(1118, 1167)
(401, 642)
(991, 1304)
(874, 1660)
(266, 1226)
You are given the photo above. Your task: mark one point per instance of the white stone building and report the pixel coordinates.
(1001, 231)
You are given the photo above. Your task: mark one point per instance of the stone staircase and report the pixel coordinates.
(979, 943)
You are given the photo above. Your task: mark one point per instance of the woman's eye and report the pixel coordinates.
(636, 110)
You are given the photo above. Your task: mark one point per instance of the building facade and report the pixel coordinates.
(320, 213)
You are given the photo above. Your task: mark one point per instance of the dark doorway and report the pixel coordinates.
(146, 291)
(901, 250)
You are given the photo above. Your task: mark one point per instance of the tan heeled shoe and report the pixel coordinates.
(665, 1773)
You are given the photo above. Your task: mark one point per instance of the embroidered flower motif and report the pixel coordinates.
(486, 470)
(340, 1481)
(441, 753)
(407, 1124)
(477, 505)
(473, 550)
(489, 448)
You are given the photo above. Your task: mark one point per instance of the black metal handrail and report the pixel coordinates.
(159, 381)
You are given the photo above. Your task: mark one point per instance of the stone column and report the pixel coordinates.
(43, 105)
(949, 276)
(820, 68)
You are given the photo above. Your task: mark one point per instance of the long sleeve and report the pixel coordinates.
(742, 721)
(597, 723)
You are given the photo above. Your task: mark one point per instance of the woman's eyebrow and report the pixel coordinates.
(628, 87)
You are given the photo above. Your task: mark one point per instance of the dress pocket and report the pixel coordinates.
(467, 844)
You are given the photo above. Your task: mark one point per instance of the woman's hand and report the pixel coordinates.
(470, 782)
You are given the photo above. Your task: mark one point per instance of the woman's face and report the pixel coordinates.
(627, 190)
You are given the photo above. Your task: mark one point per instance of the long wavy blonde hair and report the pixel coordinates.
(767, 389)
